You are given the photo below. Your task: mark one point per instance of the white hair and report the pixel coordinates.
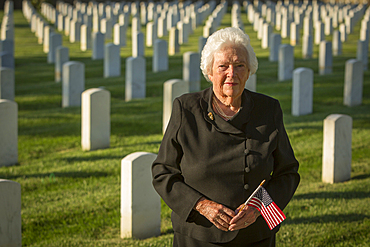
(229, 35)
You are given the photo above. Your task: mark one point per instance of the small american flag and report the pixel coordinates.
(269, 210)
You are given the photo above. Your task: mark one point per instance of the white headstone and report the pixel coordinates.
(251, 83)
(353, 83)
(97, 45)
(337, 148)
(60, 22)
(151, 33)
(274, 47)
(124, 19)
(46, 43)
(266, 36)
(174, 46)
(285, 27)
(95, 119)
(7, 60)
(172, 89)
(337, 43)
(112, 60)
(73, 83)
(54, 42)
(162, 27)
(135, 26)
(160, 56)
(10, 213)
(294, 34)
(67, 25)
(135, 83)
(8, 133)
(362, 52)
(302, 92)
(286, 62)
(138, 48)
(260, 28)
(7, 83)
(61, 57)
(325, 58)
(349, 21)
(140, 204)
(343, 32)
(201, 43)
(7, 45)
(307, 46)
(106, 28)
(328, 25)
(307, 26)
(119, 35)
(319, 32)
(191, 71)
(85, 38)
(75, 31)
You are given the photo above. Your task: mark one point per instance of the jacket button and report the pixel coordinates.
(247, 169)
(246, 186)
(246, 151)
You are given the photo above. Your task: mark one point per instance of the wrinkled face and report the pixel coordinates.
(229, 71)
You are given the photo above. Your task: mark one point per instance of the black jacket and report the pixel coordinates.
(203, 155)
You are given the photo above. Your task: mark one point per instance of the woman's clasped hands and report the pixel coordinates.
(224, 218)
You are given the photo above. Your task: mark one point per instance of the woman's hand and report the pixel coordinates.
(216, 213)
(244, 217)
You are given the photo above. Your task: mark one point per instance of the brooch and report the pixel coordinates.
(210, 115)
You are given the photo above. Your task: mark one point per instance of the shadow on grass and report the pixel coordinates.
(91, 158)
(54, 175)
(363, 176)
(327, 219)
(22, 25)
(358, 114)
(167, 232)
(333, 195)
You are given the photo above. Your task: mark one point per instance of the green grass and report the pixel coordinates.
(72, 198)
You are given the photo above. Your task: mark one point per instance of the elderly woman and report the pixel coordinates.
(219, 145)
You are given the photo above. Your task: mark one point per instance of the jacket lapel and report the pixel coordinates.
(218, 123)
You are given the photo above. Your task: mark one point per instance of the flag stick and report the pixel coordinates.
(254, 192)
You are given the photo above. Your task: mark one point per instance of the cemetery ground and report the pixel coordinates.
(71, 197)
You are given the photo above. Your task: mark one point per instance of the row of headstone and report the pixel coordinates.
(46, 36)
(290, 17)
(98, 53)
(7, 49)
(8, 107)
(214, 19)
(135, 82)
(302, 90)
(116, 17)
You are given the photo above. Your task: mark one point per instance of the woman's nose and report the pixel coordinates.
(230, 71)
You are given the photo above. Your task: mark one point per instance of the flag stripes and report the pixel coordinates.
(269, 210)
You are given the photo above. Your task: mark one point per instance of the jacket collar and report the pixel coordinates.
(220, 124)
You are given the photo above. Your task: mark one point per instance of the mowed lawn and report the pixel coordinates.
(71, 197)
